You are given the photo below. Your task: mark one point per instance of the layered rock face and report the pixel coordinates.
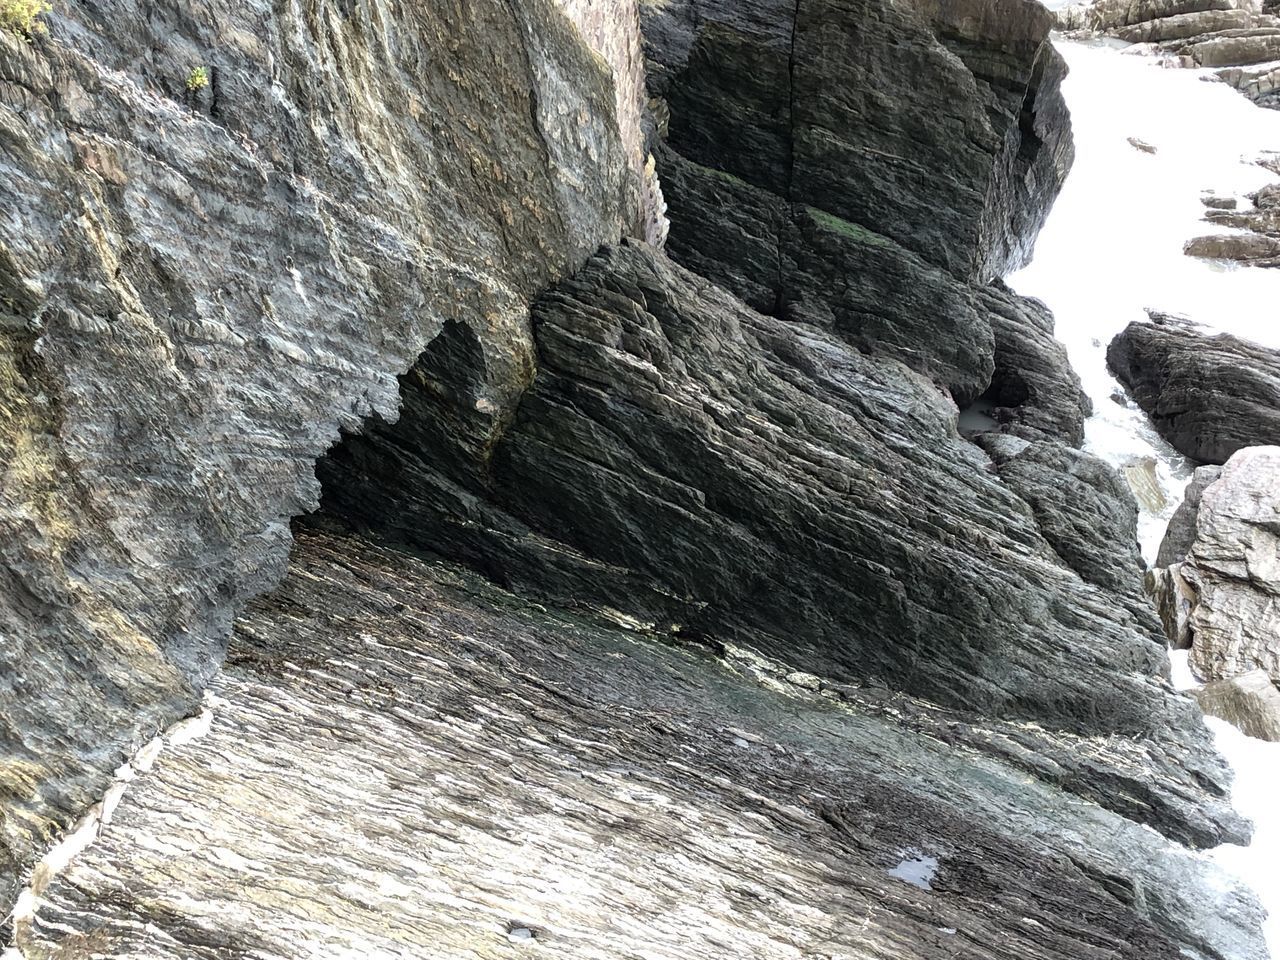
(1258, 245)
(405, 761)
(1208, 395)
(199, 287)
(820, 675)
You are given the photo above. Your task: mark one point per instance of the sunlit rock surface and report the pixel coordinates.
(407, 762)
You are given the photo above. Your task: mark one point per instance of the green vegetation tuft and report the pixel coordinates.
(197, 79)
(23, 16)
(851, 230)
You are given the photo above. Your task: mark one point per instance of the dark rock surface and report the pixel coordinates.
(714, 472)
(198, 289)
(805, 101)
(454, 766)
(1208, 395)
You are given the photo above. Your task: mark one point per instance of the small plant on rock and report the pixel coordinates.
(22, 16)
(197, 79)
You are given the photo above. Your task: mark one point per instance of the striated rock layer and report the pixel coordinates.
(198, 288)
(407, 762)
(1208, 395)
(725, 475)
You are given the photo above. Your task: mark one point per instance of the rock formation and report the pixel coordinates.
(199, 289)
(1208, 395)
(1258, 245)
(766, 657)
(1218, 588)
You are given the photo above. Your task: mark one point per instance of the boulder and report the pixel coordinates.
(1234, 565)
(1180, 535)
(806, 102)
(1249, 701)
(1208, 395)
(1113, 14)
(1251, 248)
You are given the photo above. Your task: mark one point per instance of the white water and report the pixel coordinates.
(1113, 246)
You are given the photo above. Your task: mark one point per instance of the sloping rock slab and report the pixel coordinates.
(723, 474)
(405, 762)
(1208, 395)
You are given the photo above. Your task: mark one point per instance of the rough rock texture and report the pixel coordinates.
(1184, 25)
(406, 762)
(714, 471)
(1249, 701)
(807, 101)
(198, 289)
(1256, 250)
(1234, 566)
(1110, 14)
(1181, 532)
(1208, 395)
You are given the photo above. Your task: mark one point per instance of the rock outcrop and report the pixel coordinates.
(198, 288)
(751, 606)
(712, 471)
(1234, 35)
(1208, 395)
(1258, 245)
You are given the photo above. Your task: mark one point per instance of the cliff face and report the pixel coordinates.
(200, 287)
(403, 223)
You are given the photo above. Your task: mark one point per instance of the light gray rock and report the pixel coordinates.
(1235, 567)
(1184, 25)
(1113, 14)
(1181, 532)
(1249, 701)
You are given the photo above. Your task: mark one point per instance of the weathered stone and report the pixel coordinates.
(1249, 701)
(1235, 48)
(1235, 623)
(1252, 248)
(198, 288)
(1175, 598)
(1184, 25)
(1181, 532)
(404, 762)
(1208, 395)
(1219, 203)
(801, 101)
(713, 471)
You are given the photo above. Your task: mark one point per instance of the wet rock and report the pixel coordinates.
(1234, 48)
(1143, 480)
(433, 750)
(1141, 145)
(1208, 395)
(207, 285)
(711, 470)
(1249, 701)
(1214, 202)
(1234, 565)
